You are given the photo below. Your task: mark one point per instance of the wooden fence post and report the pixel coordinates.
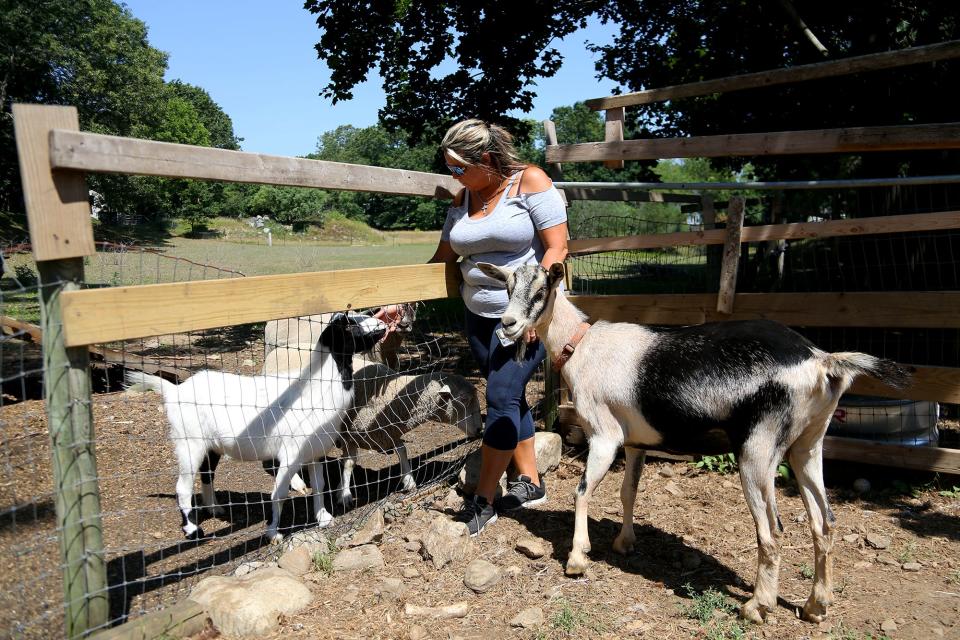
(613, 132)
(731, 255)
(551, 378)
(61, 233)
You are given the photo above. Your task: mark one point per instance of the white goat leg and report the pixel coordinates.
(346, 476)
(628, 497)
(189, 456)
(407, 483)
(324, 517)
(758, 463)
(807, 463)
(601, 456)
(281, 488)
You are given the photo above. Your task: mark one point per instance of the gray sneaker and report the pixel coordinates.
(522, 493)
(476, 513)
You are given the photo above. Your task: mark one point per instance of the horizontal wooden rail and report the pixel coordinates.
(793, 231)
(939, 459)
(627, 195)
(848, 140)
(929, 310)
(120, 313)
(113, 154)
(845, 66)
(936, 459)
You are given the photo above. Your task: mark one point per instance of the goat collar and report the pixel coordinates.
(570, 347)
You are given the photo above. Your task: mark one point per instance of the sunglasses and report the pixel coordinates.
(456, 171)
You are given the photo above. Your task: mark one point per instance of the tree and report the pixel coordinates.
(495, 54)
(498, 56)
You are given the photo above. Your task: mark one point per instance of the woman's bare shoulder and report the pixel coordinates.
(458, 199)
(535, 180)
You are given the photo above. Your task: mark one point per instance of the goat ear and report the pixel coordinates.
(445, 390)
(492, 270)
(555, 274)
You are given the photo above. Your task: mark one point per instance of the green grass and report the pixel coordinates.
(572, 621)
(716, 614)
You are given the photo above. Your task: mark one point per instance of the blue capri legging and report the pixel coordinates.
(508, 416)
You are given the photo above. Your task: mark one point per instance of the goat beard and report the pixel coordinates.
(521, 351)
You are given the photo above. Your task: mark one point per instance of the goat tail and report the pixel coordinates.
(850, 364)
(140, 381)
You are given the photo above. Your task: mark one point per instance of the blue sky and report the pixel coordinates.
(257, 61)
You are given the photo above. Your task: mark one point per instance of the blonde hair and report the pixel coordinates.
(468, 140)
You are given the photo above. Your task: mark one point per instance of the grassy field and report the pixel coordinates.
(234, 251)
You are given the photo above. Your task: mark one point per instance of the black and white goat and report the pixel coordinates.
(294, 420)
(768, 389)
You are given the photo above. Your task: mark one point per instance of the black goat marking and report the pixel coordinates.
(779, 523)
(209, 466)
(582, 487)
(830, 517)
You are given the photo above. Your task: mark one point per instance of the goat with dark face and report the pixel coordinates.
(293, 420)
(765, 389)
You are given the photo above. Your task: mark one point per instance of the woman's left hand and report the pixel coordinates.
(531, 336)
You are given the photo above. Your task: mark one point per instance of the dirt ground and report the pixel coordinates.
(694, 534)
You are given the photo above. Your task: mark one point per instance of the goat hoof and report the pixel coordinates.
(346, 501)
(624, 545)
(324, 519)
(196, 534)
(814, 611)
(408, 484)
(753, 611)
(275, 538)
(576, 566)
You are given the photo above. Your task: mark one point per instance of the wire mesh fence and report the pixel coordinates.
(422, 376)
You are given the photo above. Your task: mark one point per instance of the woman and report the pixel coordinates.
(508, 214)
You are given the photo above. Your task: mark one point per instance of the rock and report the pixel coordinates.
(418, 633)
(528, 618)
(481, 576)
(455, 610)
(413, 545)
(370, 532)
(531, 547)
(358, 559)
(888, 626)
(313, 539)
(861, 485)
(251, 605)
(512, 571)
(672, 488)
(666, 471)
(911, 566)
(863, 564)
(297, 561)
(247, 567)
(445, 541)
(851, 538)
(893, 562)
(392, 589)
(878, 541)
(729, 528)
(726, 484)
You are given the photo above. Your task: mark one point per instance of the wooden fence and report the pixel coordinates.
(939, 309)
(54, 155)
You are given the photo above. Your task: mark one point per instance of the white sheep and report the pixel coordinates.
(767, 389)
(294, 420)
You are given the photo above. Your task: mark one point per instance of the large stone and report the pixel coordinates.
(878, 541)
(445, 541)
(531, 547)
(359, 558)
(370, 532)
(251, 605)
(528, 618)
(297, 561)
(305, 330)
(481, 576)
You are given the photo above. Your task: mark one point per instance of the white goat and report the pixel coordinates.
(770, 390)
(293, 420)
(387, 405)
